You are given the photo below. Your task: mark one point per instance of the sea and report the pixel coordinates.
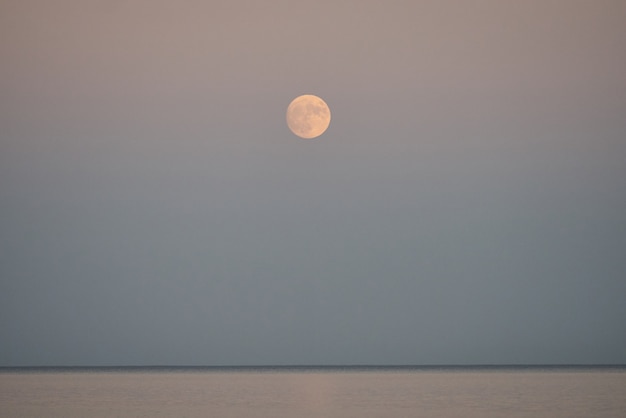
(315, 392)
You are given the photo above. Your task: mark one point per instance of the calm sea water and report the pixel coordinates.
(314, 392)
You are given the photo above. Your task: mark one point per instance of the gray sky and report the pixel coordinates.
(466, 205)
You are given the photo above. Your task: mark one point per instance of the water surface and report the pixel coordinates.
(314, 392)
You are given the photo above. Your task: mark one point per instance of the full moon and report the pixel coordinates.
(308, 116)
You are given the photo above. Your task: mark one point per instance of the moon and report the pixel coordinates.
(308, 116)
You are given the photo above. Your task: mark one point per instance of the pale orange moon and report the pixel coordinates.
(308, 116)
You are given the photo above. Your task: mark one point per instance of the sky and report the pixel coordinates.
(467, 204)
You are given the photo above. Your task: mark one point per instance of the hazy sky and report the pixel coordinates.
(466, 205)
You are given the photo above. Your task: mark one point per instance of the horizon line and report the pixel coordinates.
(324, 366)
